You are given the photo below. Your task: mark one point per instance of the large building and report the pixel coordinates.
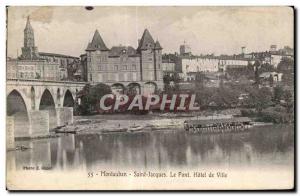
(191, 65)
(33, 64)
(233, 62)
(185, 49)
(29, 65)
(200, 64)
(69, 66)
(124, 67)
(32, 69)
(168, 66)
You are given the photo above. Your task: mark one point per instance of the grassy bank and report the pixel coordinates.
(275, 114)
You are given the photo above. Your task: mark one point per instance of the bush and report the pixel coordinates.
(90, 97)
(276, 117)
(248, 112)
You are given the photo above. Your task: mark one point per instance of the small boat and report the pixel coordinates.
(134, 128)
(22, 148)
(62, 131)
(118, 130)
(220, 125)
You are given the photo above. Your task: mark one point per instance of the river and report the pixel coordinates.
(269, 146)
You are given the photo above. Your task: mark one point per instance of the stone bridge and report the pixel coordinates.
(35, 105)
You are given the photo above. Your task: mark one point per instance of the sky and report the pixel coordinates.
(208, 30)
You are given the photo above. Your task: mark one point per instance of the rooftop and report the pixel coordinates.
(117, 51)
(97, 43)
(56, 55)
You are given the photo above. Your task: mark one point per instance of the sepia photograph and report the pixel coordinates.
(150, 98)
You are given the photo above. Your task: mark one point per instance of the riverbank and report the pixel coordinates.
(116, 123)
(123, 123)
(129, 122)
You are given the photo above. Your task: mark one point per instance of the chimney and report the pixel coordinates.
(273, 48)
(243, 49)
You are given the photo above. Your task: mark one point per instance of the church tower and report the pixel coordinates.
(151, 57)
(29, 51)
(97, 58)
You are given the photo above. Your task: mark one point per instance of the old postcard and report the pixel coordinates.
(150, 98)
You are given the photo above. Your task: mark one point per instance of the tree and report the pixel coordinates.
(260, 99)
(286, 66)
(237, 72)
(221, 97)
(97, 92)
(171, 83)
(91, 96)
(204, 96)
(167, 79)
(278, 94)
(289, 100)
(271, 80)
(225, 97)
(256, 72)
(199, 80)
(266, 67)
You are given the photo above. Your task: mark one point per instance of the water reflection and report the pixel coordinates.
(262, 146)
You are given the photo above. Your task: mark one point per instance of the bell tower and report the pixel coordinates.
(28, 34)
(29, 51)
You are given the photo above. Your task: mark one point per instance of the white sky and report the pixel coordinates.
(218, 30)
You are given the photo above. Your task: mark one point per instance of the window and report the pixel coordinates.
(111, 77)
(121, 77)
(116, 67)
(151, 75)
(134, 77)
(100, 79)
(129, 76)
(133, 67)
(125, 77)
(124, 67)
(91, 77)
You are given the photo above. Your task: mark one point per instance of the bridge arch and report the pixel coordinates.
(47, 103)
(118, 88)
(150, 88)
(68, 99)
(15, 103)
(134, 88)
(17, 108)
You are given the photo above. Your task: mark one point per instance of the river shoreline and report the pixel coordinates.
(122, 123)
(118, 123)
